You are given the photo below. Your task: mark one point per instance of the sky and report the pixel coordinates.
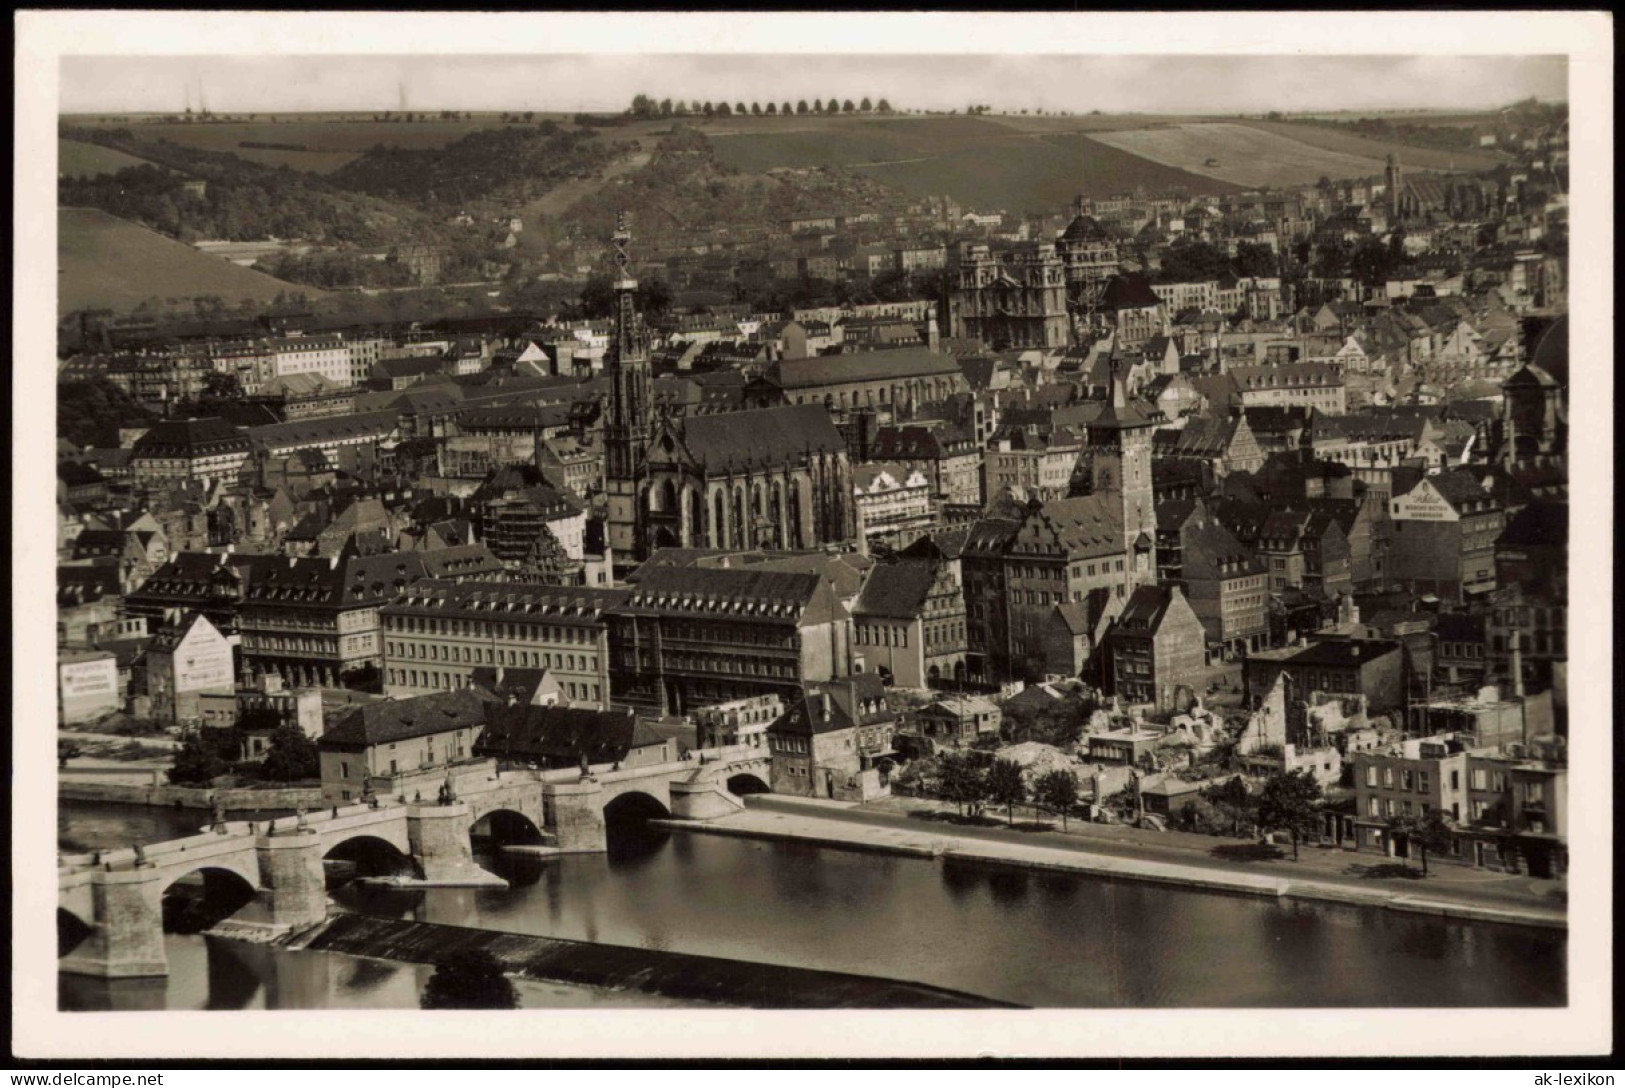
(600, 81)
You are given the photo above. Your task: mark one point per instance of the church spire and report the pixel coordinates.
(625, 290)
(630, 424)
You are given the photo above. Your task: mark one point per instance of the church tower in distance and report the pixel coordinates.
(631, 415)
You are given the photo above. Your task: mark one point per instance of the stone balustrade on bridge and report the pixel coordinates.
(114, 899)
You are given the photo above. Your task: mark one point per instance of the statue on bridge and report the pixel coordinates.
(218, 803)
(301, 824)
(140, 856)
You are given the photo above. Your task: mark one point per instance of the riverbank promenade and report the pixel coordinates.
(923, 829)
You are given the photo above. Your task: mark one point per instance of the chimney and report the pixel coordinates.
(500, 673)
(823, 708)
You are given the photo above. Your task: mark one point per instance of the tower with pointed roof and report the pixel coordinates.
(631, 416)
(1119, 453)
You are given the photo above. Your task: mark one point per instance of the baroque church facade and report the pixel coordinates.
(1014, 300)
(771, 478)
(1037, 294)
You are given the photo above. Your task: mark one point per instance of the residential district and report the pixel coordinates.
(1175, 540)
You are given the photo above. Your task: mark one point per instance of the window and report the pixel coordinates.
(1423, 781)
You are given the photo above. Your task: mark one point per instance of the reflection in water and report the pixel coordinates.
(1039, 938)
(235, 974)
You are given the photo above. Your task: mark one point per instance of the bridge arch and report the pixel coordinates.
(71, 931)
(392, 832)
(744, 783)
(506, 826)
(365, 854)
(627, 833)
(193, 899)
(636, 805)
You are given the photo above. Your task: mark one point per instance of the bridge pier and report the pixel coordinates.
(126, 938)
(575, 814)
(440, 845)
(293, 887)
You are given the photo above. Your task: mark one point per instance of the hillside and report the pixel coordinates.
(1256, 154)
(1353, 143)
(329, 144)
(686, 184)
(76, 159)
(105, 262)
(980, 162)
(504, 166)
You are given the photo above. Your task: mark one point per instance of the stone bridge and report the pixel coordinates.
(114, 899)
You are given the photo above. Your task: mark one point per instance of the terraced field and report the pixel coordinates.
(103, 261)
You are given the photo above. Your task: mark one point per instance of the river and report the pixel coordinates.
(1044, 939)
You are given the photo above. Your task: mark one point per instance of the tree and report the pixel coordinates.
(963, 781)
(756, 109)
(866, 106)
(709, 110)
(739, 108)
(665, 107)
(196, 761)
(1433, 832)
(1233, 802)
(785, 110)
(598, 296)
(1191, 261)
(291, 757)
(1058, 723)
(654, 297)
(89, 413)
(724, 110)
(1006, 787)
(221, 385)
(1255, 259)
(1290, 802)
(883, 106)
(469, 979)
(848, 107)
(1372, 263)
(801, 106)
(772, 109)
(1057, 791)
